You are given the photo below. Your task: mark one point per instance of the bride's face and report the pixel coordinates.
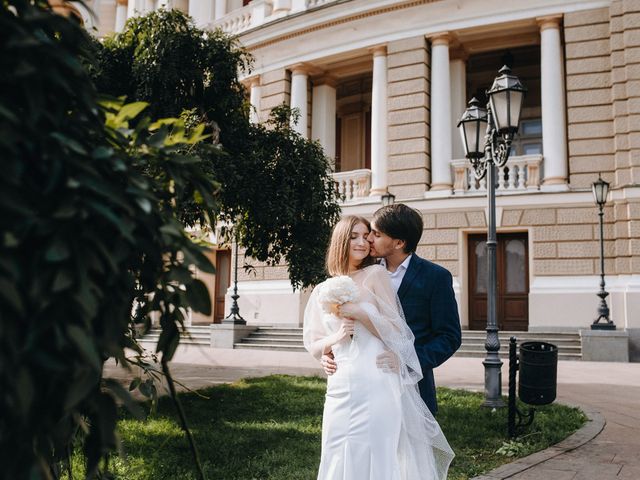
(358, 245)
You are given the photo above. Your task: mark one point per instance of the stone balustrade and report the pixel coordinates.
(260, 12)
(353, 185)
(237, 21)
(520, 175)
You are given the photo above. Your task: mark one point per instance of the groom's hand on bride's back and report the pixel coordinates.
(328, 364)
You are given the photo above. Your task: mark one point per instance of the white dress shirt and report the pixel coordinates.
(398, 275)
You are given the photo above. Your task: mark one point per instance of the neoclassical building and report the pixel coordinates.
(381, 85)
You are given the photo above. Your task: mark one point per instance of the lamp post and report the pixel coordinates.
(388, 199)
(500, 121)
(600, 190)
(234, 316)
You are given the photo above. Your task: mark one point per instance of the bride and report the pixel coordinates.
(375, 424)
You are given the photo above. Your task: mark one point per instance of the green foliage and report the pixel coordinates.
(514, 448)
(270, 428)
(274, 183)
(90, 204)
(293, 210)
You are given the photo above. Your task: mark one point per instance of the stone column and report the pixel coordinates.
(379, 120)
(139, 7)
(441, 121)
(458, 75)
(133, 8)
(299, 100)
(220, 8)
(254, 85)
(554, 109)
(202, 12)
(121, 15)
(323, 119)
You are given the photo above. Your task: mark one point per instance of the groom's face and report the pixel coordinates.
(382, 245)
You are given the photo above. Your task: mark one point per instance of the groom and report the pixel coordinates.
(425, 291)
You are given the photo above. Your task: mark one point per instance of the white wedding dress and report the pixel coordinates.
(375, 425)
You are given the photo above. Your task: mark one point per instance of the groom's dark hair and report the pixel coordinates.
(400, 222)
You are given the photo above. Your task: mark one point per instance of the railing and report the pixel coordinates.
(353, 185)
(260, 12)
(520, 174)
(236, 21)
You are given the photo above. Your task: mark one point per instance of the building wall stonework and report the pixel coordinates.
(275, 90)
(565, 241)
(408, 117)
(625, 59)
(589, 96)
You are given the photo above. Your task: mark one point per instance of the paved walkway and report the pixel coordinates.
(609, 392)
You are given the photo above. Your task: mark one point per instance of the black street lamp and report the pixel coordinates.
(600, 191)
(499, 120)
(234, 316)
(388, 199)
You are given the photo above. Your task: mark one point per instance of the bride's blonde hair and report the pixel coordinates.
(338, 252)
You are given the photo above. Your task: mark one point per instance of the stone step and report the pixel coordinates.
(183, 341)
(155, 335)
(260, 333)
(505, 345)
(292, 330)
(283, 341)
(462, 352)
(270, 346)
(518, 335)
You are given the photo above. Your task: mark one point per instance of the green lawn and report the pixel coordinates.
(269, 428)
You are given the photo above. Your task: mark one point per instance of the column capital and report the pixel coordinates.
(252, 81)
(325, 79)
(304, 69)
(440, 38)
(459, 53)
(378, 50)
(549, 21)
(123, 2)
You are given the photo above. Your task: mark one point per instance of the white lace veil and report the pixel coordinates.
(423, 450)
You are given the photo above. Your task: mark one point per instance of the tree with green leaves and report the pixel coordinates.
(90, 227)
(276, 182)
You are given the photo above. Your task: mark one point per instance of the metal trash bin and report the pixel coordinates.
(538, 373)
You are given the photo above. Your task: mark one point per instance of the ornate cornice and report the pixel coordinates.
(339, 21)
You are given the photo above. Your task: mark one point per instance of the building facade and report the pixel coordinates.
(381, 85)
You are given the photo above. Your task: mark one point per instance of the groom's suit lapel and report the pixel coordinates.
(412, 271)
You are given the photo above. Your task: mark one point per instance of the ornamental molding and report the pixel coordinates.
(339, 21)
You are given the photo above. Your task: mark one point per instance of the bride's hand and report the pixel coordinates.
(353, 311)
(347, 327)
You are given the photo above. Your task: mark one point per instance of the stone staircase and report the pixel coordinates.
(289, 339)
(195, 335)
(569, 345)
(285, 339)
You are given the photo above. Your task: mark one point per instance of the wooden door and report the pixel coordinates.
(513, 281)
(223, 280)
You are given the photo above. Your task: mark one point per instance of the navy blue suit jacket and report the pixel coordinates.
(431, 311)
